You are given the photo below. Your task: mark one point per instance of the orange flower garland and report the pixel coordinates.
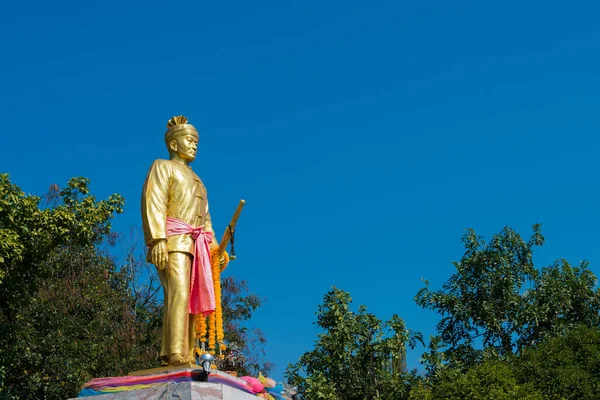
(201, 328)
(219, 308)
(215, 320)
(200, 334)
(218, 314)
(211, 334)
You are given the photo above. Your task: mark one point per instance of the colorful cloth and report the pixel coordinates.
(254, 383)
(202, 292)
(100, 386)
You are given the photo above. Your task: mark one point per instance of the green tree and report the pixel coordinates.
(490, 380)
(84, 321)
(563, 367)
(67, 312)
(559, 367)
(498, 301)
(356, 357)
(30, 232)
(562, 297)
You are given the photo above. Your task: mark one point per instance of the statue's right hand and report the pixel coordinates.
(160, 255)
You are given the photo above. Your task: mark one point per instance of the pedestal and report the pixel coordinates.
(181, 390)
(181, 383)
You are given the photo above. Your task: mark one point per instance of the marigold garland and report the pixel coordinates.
(201, 328)
(216, 270)
(211, 333)
(215, 320)
(200, 335)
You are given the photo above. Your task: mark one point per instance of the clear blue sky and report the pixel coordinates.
(365, 136)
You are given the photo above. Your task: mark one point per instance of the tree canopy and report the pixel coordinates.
(499, 301)
(357, 356)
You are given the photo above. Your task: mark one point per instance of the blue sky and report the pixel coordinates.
(364, 136)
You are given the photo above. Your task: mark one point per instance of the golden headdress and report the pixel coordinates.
(178, 126)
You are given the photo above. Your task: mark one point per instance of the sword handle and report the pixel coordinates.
(227, 234)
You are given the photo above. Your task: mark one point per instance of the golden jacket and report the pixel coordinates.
(172, 189)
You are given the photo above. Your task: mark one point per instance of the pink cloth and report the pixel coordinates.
(202, 291)
(254, 384)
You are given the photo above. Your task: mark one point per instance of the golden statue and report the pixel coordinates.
(179, 235)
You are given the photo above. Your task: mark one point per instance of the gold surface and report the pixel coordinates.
(178, 325)
(177, 120)
(172, 189)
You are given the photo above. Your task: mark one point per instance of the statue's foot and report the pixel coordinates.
(178, 359)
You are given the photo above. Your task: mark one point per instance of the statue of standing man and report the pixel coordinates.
(178, 232)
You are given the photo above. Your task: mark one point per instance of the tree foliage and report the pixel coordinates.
(497, 300)
(491, 380)
(562, 297)
(565, 366)
(356, 357)
(30, 232)
(67, 311)
(560, 367)
(84, 321)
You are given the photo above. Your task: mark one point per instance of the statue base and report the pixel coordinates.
(168, 368)
(182, 390)
(168, 382)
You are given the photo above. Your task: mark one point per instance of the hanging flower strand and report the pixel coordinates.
(218, 314)
(201, 334)
(219, 308)
(214, 325)
(211, 334)
(215, 320)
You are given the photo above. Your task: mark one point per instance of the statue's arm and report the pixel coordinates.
(154, 209)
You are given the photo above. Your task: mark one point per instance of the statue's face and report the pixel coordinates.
(185, 147)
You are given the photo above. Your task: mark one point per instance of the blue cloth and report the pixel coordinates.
(89, 392)
(275, 393)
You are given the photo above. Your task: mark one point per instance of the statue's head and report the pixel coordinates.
(181, 139)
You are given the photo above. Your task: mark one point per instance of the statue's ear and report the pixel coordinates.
(173, 145)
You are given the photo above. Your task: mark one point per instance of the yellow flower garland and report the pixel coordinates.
(211, 334)
(215, 320)
(200, 334)
(201, 328)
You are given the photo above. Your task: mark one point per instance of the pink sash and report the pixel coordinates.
(202, 292)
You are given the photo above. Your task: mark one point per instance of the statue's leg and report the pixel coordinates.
(178, 299)
(164, 349)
